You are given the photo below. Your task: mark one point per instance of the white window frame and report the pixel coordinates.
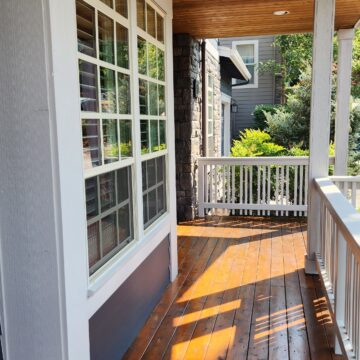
(208, 88)
(255, 85)
(111, 275)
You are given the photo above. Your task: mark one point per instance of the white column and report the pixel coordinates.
(320, 118)
(342, 123)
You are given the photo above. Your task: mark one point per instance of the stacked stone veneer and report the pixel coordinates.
(188, 119)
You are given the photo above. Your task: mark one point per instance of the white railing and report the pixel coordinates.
(339, 264)
(350, 187)
(276, 186)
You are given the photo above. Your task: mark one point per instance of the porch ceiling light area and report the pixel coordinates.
(233, 63)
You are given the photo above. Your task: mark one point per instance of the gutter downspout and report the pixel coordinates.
(203, 92)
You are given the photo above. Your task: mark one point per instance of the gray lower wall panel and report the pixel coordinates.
(115, 325)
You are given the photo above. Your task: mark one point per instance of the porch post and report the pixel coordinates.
(320, 118)
(342, 123)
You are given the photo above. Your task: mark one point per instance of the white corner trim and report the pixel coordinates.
(346, 34)
(225, 98)
(357, 25)
(212, 50)
(237, 60)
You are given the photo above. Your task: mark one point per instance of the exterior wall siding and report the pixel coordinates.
(116, 324)
(267, 91)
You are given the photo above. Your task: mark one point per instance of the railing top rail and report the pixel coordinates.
(345, 215)
(345, 178)
(260, 160)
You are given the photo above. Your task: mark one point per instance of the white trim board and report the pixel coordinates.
(256, 57)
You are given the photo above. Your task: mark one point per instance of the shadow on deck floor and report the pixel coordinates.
(241, 293)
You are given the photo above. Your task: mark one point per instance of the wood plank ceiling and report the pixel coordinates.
(232, 18)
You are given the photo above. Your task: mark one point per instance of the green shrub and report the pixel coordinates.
(255, 143)
(259, 114)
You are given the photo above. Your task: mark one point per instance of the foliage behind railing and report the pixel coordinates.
(275, 186)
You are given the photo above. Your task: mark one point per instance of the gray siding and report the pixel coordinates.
(248, 98)
(116, 324)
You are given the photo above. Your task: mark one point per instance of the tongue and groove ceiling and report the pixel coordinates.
(232, 18)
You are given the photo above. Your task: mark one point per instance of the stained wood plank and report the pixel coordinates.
(243, 295)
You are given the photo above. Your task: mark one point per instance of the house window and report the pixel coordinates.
(210, 115)
(154, 190)
(107, 126)
(106, 73)
(249, 51)
(152, 86)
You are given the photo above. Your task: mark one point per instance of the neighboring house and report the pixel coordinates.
(203, 79)
(262, 88)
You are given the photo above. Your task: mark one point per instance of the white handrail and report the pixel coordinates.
(338, 260)
(254, 185)
(350, 187)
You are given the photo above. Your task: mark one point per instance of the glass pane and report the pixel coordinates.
(160, 169)
(152, 204)
(85, 17)
(106, 38)
(88, 86)
(144, 176)
(160, 199)
(107, 191)
(123, 184)
(162, 130)
(162, 111)
(251, 69)
(144, 128)
(143, 94)
(142, 57)
(109, 238)
(124, 93)
(91, 197)
(210, 112)
(151, 27)
(125, 138)
(140, 4)
(210, 97)
(108, 2)
(121, 7)
(108, 94)
(124, 223)
(151, 173)
(110, 141)
(210, 81)
(145, 209)
(154, 135)
(210, 127)
(122, 46)
(161, 65)
(152, 60)
(247, 52)
(93, 244)
(160, 28)
(153, 98)
(91, 143)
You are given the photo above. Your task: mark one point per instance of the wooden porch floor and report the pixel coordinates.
(241, 293)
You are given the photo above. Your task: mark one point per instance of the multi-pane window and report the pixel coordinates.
(151, 70)
(248, 50)
(107, 123)
(210, 114)
(109, 215)
(154, 190)
(151, 67)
